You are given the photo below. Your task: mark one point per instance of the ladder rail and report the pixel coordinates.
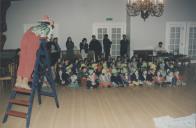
(36, 86)
(29, 112)
(49, 76)
(9, 106)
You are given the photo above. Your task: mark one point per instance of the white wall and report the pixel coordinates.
(145, 35)
(76, 17)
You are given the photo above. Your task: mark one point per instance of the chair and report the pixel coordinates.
(8, 66)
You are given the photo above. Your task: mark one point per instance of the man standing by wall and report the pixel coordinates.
(95, 46)
(124, 44)
(106, 45)
(84, 48)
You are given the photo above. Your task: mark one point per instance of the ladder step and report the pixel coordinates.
(19, 102)
(50, 94)
(17, 114)
(22, 90)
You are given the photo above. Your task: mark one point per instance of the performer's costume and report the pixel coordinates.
(29, 46)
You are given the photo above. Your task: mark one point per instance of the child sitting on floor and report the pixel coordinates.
(105, 78)
(92, 80)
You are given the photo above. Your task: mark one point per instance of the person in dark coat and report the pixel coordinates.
(70, 47)
(124, 44)
(106, 46)
(95, 46)
(54, 55)
(54, 51)
(84, 48)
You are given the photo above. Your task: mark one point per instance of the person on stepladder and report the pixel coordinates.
(28, 48)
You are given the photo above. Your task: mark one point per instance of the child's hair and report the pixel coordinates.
(118, 58)
(83, 67)
(75, 61)
(66, 61)
(84, 39)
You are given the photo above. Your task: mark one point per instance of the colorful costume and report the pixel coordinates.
(105, 78)
(74, 81)
(29, 46)
(92, 80)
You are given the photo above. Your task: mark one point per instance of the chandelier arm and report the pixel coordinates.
(132, 11)
(145, 8)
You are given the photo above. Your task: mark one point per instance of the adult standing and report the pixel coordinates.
(84, 48)
(28, 48)
(70, 47)
(54, 51)
(106, 46)
(124, 44)
(95, 46)
(54, 54)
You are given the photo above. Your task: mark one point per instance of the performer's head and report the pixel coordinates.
(47, 20)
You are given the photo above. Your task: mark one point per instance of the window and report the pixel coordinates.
(175, 37)
(116, 37)
(181, 38)
(174, 40)
(114, 31)
(100, 34)
(191, 30)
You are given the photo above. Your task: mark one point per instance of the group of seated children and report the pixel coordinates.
(117, 72)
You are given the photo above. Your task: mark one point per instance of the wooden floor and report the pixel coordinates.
(107, 107)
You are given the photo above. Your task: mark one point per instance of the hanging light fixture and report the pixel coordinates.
(145, 8)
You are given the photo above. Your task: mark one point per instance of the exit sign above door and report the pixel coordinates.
(109, 19)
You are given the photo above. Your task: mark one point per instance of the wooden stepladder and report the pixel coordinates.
(42, 69)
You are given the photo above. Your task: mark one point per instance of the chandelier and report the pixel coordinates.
(145, 8)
